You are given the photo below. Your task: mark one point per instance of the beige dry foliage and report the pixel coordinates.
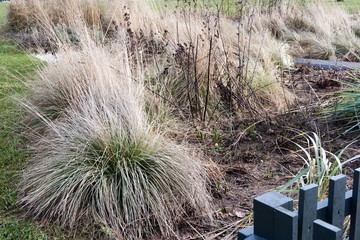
(178, 41)
(48, 24)
(97, 159)
(197, 46)
(315, 30)
(25, 15)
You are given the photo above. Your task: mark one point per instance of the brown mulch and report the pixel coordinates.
(261, 158)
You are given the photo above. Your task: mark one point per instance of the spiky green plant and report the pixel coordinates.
(346, 107)
(320, 164)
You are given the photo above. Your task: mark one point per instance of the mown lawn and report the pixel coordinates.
(15, 67)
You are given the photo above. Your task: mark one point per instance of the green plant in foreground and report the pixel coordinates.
(320, 164)
(347, 105)
(13, 230)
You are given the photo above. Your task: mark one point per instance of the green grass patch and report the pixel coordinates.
(227, 7)
(346, 108)
(13, 230)
(15, 68)
(3, 11)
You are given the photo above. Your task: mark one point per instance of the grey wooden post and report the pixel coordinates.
(253, 237)
(275, 220)
(324, 230)
(355, 208)
(286, 224)
(264, 210)
(245, 233)
(337, 189)
(348, 201)
(307, 211)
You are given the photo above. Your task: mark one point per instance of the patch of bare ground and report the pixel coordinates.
(257, 156)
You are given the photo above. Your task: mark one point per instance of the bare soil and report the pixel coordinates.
(256, 157)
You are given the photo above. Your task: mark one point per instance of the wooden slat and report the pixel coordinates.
(307, 211)
(322, 209)
(275, 220)
(245, 233)
(355, 208)
(264, 206)
(348, 201)
(286, 224)
(322, 206)
(253, 237)
(337, 189)
(326, 231)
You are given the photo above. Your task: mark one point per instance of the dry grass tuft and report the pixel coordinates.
(97, 159)
(315, 30)
(32, 14)
(47, 24)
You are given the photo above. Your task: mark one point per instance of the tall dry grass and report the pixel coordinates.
(97, 158)
(209, 63)
(30, 14)
(204, 63)
(46, 24)
(314, 30)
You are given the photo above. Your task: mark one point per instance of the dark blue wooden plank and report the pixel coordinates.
(253, 237)
(337, 189)
(286, 224)
(322, 206)
(348, 200)
(307, 211)
(355, 208)
(264, 206)
(247, 232)
(322, 209)
(326, 231)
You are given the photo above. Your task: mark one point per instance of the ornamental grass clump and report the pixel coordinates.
(43, 25)
(27, 16)
(346, 106)
(98, 160)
